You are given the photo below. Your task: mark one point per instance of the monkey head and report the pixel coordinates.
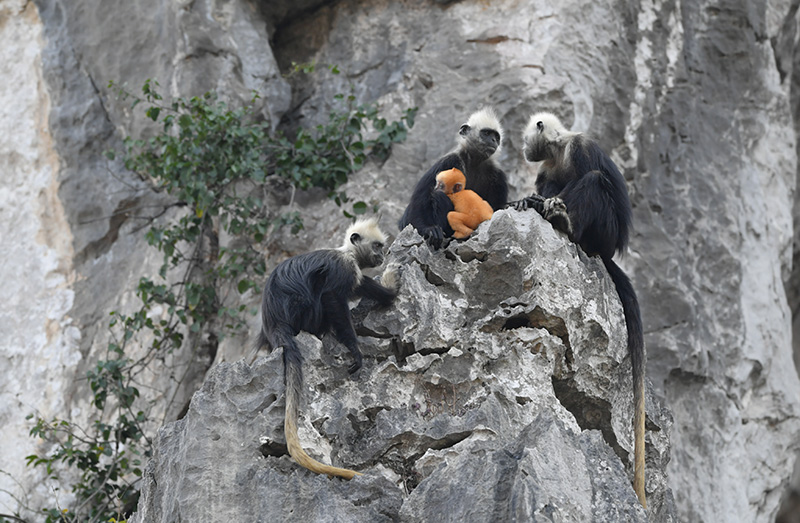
(482, 134)
(450, 181)
(544, 136)
(365, 241)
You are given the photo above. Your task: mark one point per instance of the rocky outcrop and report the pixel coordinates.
(497, 388)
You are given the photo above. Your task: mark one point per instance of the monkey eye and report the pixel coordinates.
(377, 245)
(540, 126)
(457, 187)
(464, 130)
(491, 133)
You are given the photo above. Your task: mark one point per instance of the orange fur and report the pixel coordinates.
(470, 209)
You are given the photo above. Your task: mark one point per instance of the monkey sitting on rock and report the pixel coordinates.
(582, 193)
(478, 143)
(470, 210)
(310, 292)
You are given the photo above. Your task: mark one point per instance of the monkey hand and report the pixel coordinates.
(533, 201)
(555, 211)
(434, 236)
(391, 276)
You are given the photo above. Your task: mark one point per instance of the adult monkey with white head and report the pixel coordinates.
(479, 141)
(581, 192)
(310, 292)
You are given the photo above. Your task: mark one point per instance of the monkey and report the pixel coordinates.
(582, 193)
(470, 209)
(478, 142)
(310, 292)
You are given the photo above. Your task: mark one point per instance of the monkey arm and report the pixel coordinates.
(427, 210)
(371, 289)
(494, 187)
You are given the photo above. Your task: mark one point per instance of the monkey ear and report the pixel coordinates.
(464, 130)
(540, 126)
(355, 238)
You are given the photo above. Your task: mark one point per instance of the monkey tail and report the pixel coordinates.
(633, 322)
(293, 378)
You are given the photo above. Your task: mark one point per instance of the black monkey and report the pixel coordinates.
(310, 292)
(581, 191)
(478, 141)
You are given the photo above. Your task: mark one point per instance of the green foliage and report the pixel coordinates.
(213, 162)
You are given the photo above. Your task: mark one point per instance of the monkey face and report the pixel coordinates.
(543, 137)
(376, 253)
(450, 181)
(368, 253)
(484, 141)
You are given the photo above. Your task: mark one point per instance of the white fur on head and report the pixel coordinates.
(366, 228)
(553, 132)
(486, 119)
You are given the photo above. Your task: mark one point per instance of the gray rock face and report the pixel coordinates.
(496, 389)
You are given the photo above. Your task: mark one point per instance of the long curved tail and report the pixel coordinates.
(293, 378)
(633, 322)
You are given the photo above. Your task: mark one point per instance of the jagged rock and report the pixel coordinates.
(497, 387)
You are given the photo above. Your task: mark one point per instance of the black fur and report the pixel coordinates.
(595, 195)
(427, 210)
(310, 292)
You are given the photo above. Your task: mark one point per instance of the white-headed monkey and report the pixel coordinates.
(582, 193)
(310, 292)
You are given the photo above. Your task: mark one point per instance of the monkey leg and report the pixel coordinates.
(456, 219)
(342, 326)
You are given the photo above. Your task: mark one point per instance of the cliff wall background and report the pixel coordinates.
(696, 102)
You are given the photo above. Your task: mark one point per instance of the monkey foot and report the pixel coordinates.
(553, 206)
(555, 211)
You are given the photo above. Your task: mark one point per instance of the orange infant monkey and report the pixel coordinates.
(470, 209)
